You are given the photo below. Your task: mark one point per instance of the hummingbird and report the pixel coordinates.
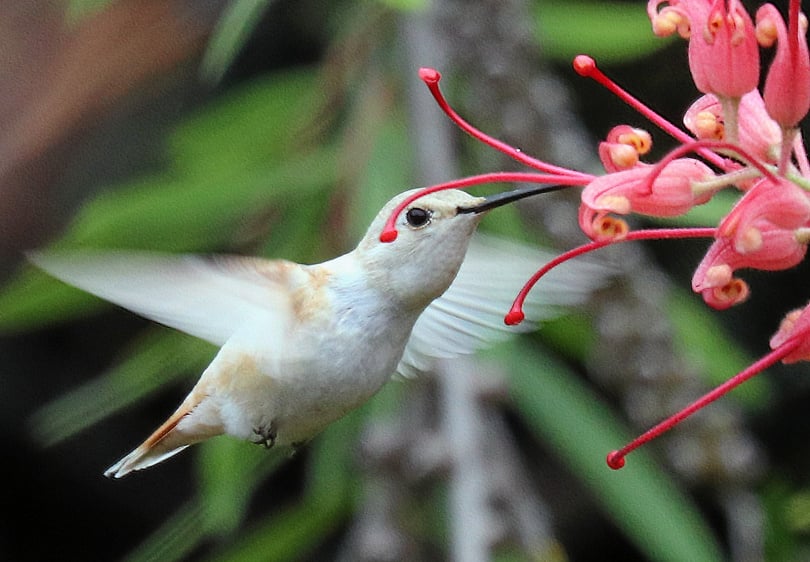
(302, 345)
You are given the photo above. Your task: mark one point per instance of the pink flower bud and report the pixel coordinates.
(787, 86)
(668, 20)
(623, 147)
(794, 327)
(723, 49)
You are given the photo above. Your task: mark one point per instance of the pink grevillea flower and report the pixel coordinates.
(767, 248)
(782, 204)
(739, 141)
(787, 85)
(794, 329)
(623, 147)
(723, 50)
(758, 134)
(672, 193)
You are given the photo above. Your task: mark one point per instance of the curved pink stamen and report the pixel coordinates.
(431, 78)
(389, 231)
(586, 66)
(616, 459)
(515, 315)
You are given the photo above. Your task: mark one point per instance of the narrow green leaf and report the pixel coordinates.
(782, 544)
(386, 172)
(405, 5)
(641, 498)
(175, 539)
(262, 122)
(78, 10)
(238, 20)
(229, 471)
(609, 31)
(158, 357)
(703, 341)
(194, 212)
(290, 534)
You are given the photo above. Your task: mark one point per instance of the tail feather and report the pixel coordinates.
(139, 459)
(166, 441)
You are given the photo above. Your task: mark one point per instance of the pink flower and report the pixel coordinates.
(776, 249)
(782, 204)
(623, 147)
(723, 50)
(599, 225)
(669, 19)
(795, 328)
(748, 141)
(629, 191)
(758, 133)
(787, 86)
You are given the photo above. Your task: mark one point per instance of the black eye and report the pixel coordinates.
(417, 217)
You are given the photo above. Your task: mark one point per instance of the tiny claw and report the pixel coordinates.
(615, 460)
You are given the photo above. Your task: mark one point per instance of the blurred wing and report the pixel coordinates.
(469, 315)
(210, 298)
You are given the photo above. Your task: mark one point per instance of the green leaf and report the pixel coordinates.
(405, 5)
(229, 472)
(175, 539)
(239, 19)
(294, 531)
(571, 334)
(158, 357)
(386, 171)
(641, 498)
(779, 502)
(78, 10)
(289, 534)
(703, 341)
(264, 121)
(610, 32)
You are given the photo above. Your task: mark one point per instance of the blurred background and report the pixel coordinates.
(279, 128)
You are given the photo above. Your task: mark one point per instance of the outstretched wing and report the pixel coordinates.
(210, 298)
(469, 315)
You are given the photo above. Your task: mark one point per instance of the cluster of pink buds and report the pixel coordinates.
(738, 139)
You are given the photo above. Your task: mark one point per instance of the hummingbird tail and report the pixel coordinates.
(139, 459)
(167, 440)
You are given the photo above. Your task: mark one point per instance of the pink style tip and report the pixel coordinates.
(429, 75)
(615, 460)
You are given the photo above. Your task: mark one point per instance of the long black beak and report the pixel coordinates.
(505, 197)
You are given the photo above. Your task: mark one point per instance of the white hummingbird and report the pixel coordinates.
(302, 345)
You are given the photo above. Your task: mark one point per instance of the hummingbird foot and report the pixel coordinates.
(264, 435)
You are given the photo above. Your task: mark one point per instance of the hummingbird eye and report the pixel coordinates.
(417, 217)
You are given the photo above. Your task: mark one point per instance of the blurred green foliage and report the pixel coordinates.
(257, 169)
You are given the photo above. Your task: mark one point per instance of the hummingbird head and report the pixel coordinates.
(431, 235)
(434, 232)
